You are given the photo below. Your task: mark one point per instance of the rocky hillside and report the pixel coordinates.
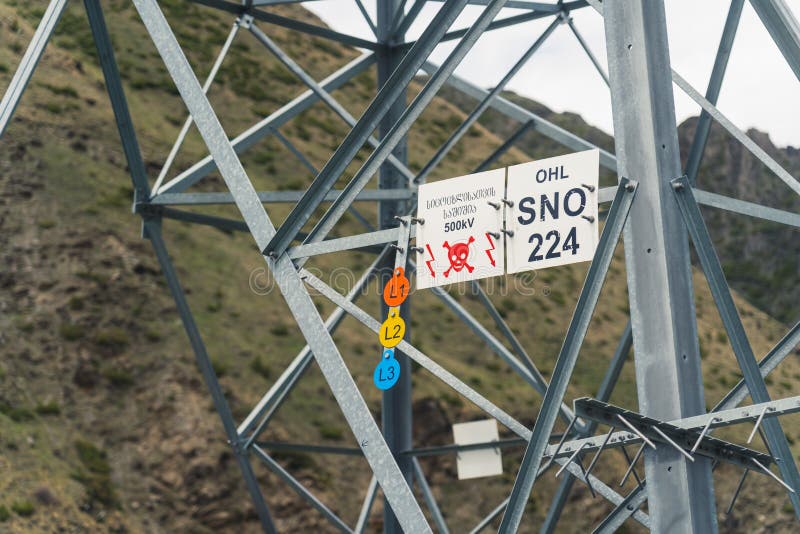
(105, 423)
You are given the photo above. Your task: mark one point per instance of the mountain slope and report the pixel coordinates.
(105, 424)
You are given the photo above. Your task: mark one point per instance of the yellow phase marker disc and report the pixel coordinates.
(392, 330)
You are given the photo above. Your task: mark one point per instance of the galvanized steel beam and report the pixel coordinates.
(783, 27)
(396, 402)
(119, 104)
(668, 374)
(29, 61)
(714, 85)
(273, 197)
(267, 125)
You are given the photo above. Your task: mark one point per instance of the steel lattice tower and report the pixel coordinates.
(654, 208)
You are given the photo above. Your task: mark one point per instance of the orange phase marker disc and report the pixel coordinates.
(397, 288)
(392, 330)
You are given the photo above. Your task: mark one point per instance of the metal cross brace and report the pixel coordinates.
(649, 428)
(269, 197)
(568, 356)
(29, 61)
(370, 120)
(266, 126)
(522, 115)
(206, 86)
(301, 490)
(292, 24)
(777, 17)
(269, 403)
(337, 108)
(693, 424)
(516, 19)
(388, 142)
(776, 438)
(484, 104)
(714, 86)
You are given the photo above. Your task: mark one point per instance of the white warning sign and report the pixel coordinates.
(554, 216)
(461, 238)
(477, 463)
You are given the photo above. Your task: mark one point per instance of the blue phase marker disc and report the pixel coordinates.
(387, 371)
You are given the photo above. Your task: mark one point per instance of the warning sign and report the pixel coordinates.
(554, 213)
(482, 462)
(461, 237)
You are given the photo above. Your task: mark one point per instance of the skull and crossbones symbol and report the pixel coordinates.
(457, 255)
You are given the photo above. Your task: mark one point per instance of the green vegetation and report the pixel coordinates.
(258, 366)
(48, 408)
(18, 414)
(95, 474)
(118, 376)
(23, 508)
(112, 338)
(72, 331)
(330, 432)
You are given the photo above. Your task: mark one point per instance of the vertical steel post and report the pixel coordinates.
(668, 375)
(396, 404)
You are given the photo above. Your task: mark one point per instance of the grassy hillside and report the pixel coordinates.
(105, 424)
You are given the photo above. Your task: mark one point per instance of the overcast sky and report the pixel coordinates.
(760, 90)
